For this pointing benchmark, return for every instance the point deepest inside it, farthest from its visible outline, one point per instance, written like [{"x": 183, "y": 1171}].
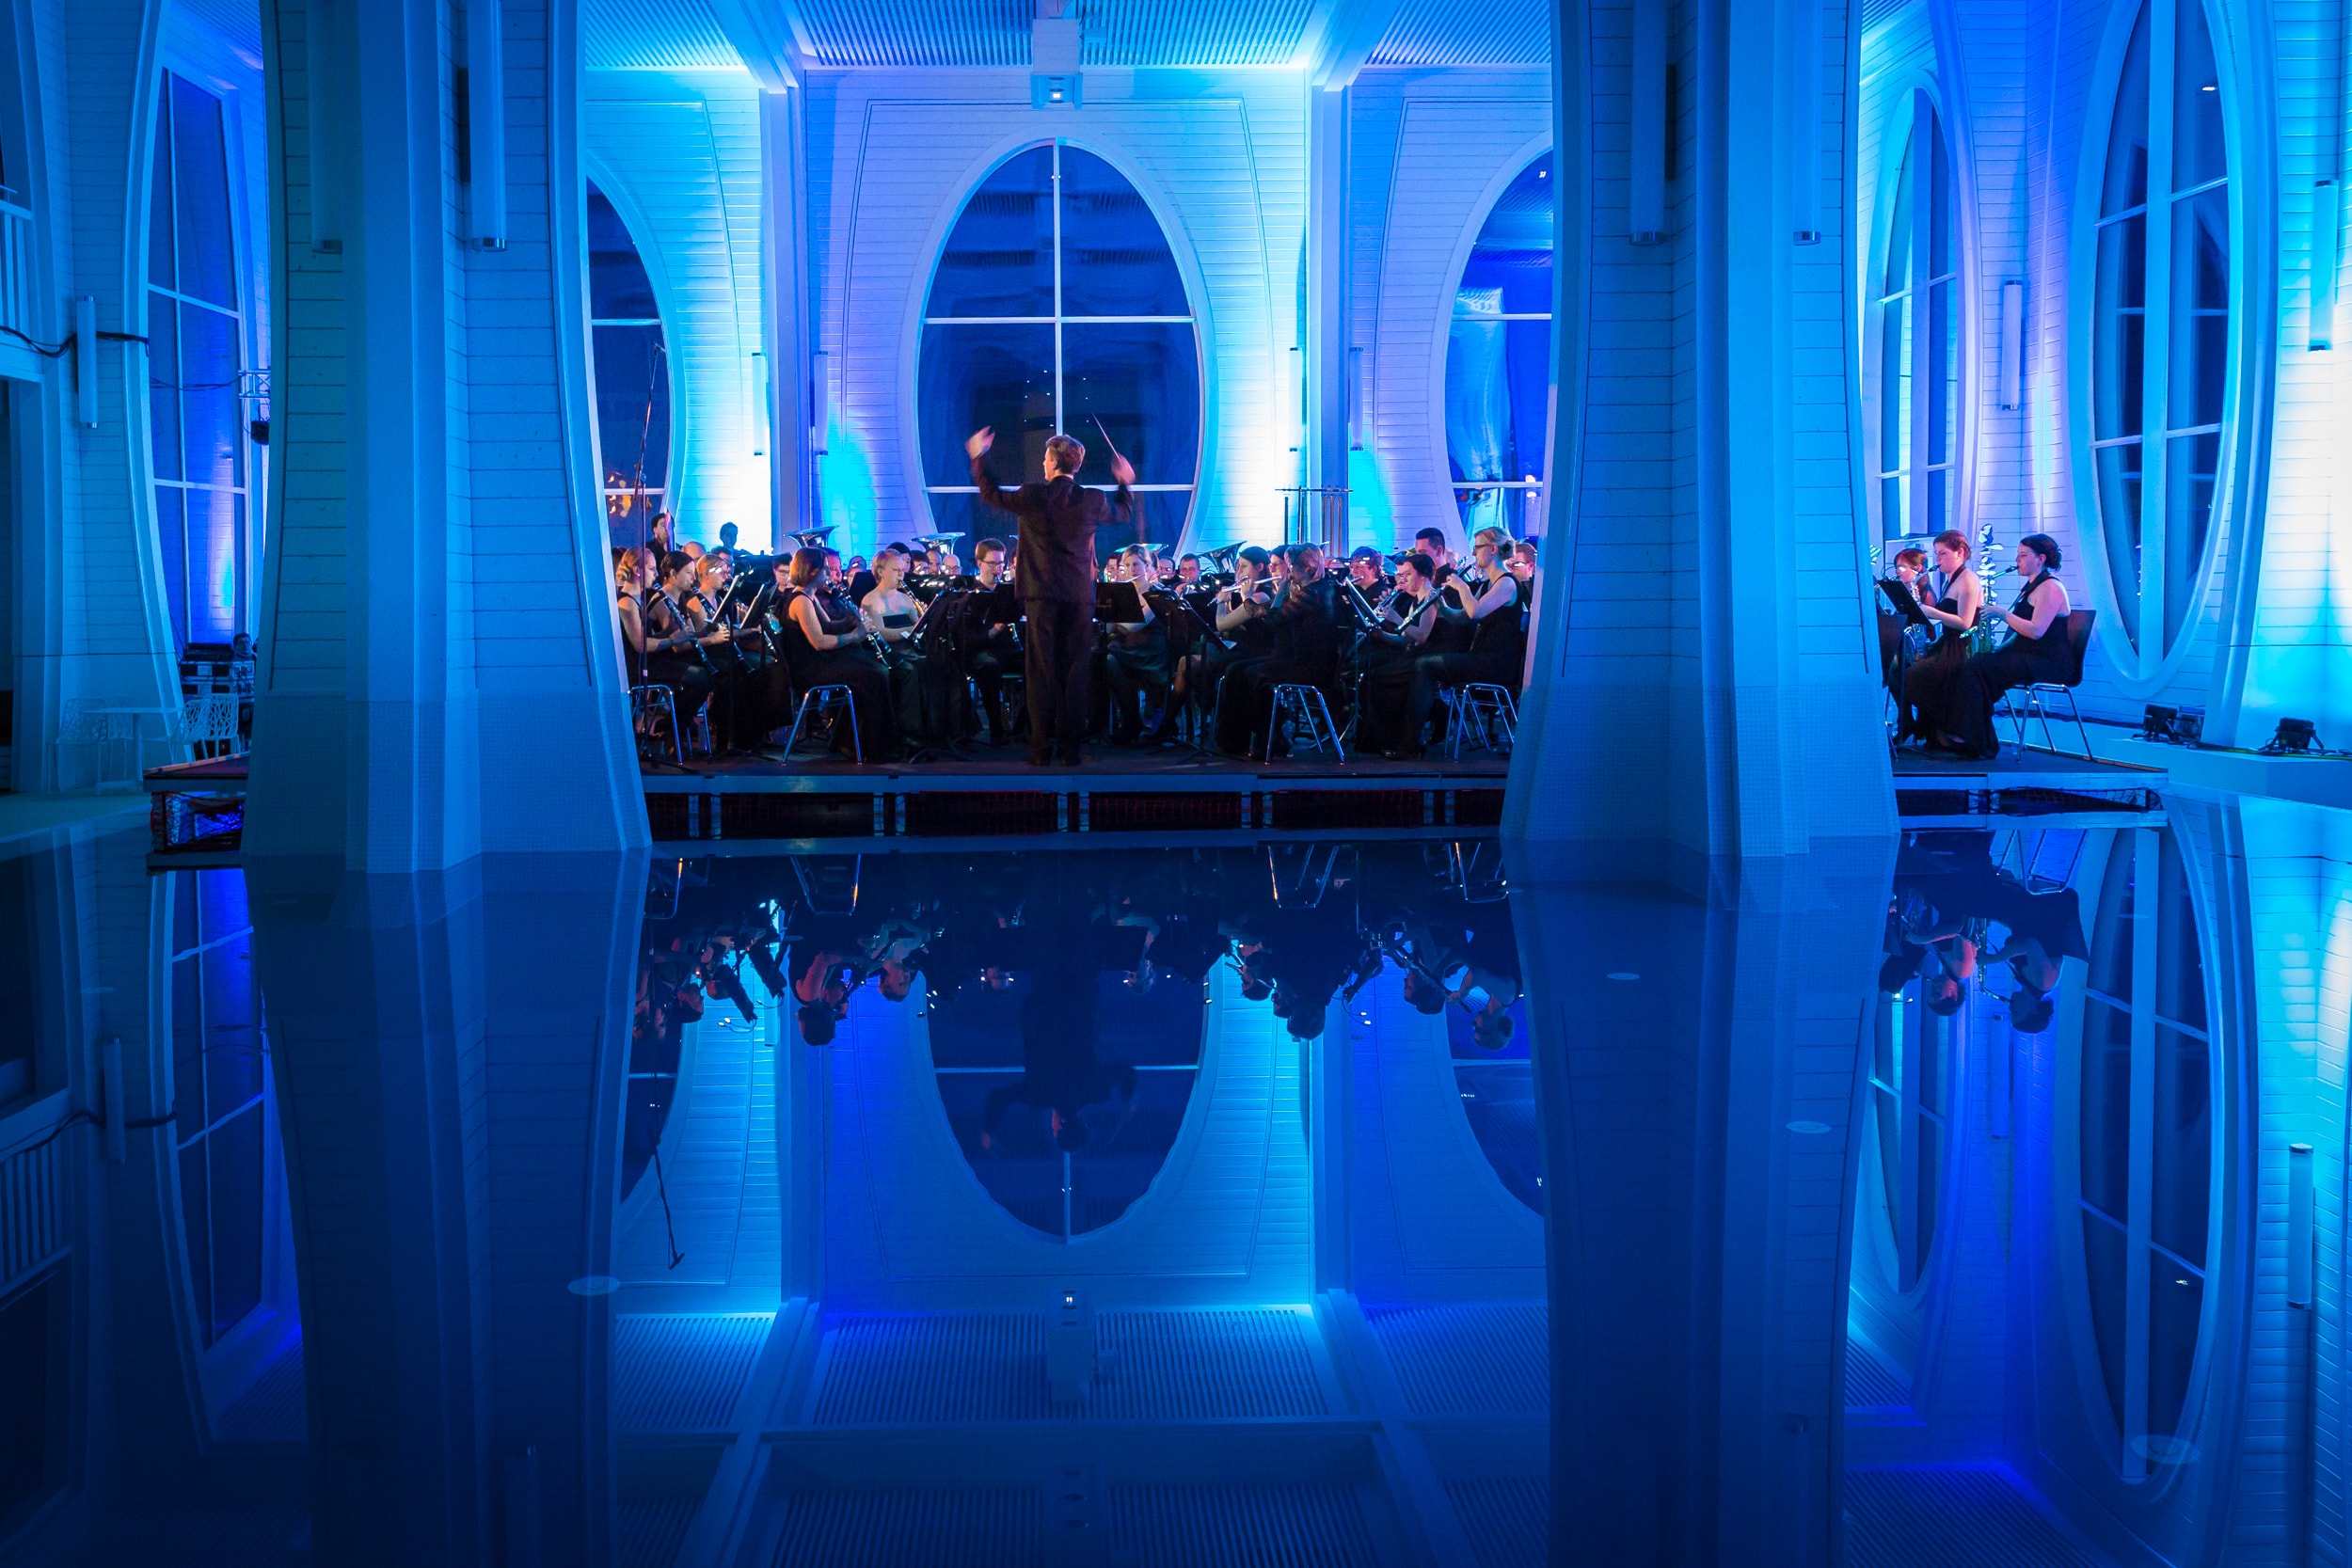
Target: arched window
[
  {"x": 1913, "y": 1054},
  {"x": 631, "y": 372},
  {"x": 1057, "y": 308},
  {"x": 220, "y": 1089},
  {"x": 2147, "y": 1146},
  {"x": 1497, "y": 362},
  {"x": 195, "y": 353},
  {"x": 2162, "y": 340},
  {"x": 1918, "y": 303}
]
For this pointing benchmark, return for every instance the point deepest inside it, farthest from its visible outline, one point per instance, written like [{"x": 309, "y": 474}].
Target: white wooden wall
[{"x": 681, "y": 155}]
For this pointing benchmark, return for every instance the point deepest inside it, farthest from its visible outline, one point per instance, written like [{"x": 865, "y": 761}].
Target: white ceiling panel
[{"x": 1447, "y": 32}]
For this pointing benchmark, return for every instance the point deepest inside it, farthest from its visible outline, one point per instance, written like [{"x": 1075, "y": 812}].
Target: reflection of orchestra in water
[
  {"x": 1037, "y": 639},
  {"x": 1304, "y": 928},
  {"x": 1956, "y": 919}
]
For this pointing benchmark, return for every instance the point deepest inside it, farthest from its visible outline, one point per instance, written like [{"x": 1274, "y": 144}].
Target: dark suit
[{"x": 1055, "y": 572}]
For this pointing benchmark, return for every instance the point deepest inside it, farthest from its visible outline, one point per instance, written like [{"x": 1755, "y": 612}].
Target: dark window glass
[
  {"x": 999, "y": 258},
  {"x": 2127, "y": 184},
  {"x": 2106, "y": 1115},
  {"x": 2105, "y": 1250},
  {"x": 1115, "y": 262},
  {"x": 219, "y": 1087},
  {"x": 30, "y": 1422},
  {"x": 200, "y": 164},
  {"x": 1142, "y": 382},
  {"x": 994, "y": 377},
  {"x": 631, "y": 370},
  {"x": 1498, "y": 370}
]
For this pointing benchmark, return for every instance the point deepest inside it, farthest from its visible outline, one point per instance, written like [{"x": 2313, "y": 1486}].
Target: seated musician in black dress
[
  {"x": 824, "y": 644},
  {"x": 1303, "y": 632},
  {"x": 1386, "y": 657},
  {"x": 2038, "y": 652},
  {"x": 676, "y": 652},
  {"x": 1236, "y": 616},
  {"x": 1951, "y": 597}
]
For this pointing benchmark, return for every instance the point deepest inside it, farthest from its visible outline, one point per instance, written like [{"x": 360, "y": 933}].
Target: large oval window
[
  {"x": 1918, "y": 406},
  {"x": 1058, "y": 308},
  {"x": 2162, "y": 332},
  {"x": 2146, "y": 1129},
  {"x": 1497, "y": 362},
  {"x": 631, "y": 374}
]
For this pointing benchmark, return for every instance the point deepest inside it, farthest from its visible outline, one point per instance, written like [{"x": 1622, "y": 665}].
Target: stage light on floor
[
  {"x": 2183, "y": 726},
  {"x": 2295, "y": 738}
]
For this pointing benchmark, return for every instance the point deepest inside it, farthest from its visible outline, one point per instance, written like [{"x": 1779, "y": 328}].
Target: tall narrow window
[
  {"x": 2147, "y": 1144},
  {"x": 631, "y": 371},
  {"x": 2162, "y": 343},
  {"x": 194, "y": 349},
  {"x": 1057, "y": 308},
  {"x": 1911, "y": 1073},
  {"x": 1919, "y": 403},
  {"x": 220, "y": 1079},
  {"x": 1498, "y": 360}
]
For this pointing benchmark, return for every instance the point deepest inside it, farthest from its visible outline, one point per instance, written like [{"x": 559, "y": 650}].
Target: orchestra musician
[
  {"x": 743, "y": 700},
  {"x": 1188, "y": 571},
  {"x": 926, "y": 696},
  {"x": 988, "y": 640},
  {"x": 674, "y": 653},
  {"x": 1135, "y": 663},
  {"x": 1363, "y": 570},
  {"x": 1479, "y": 637},
  {"x": 1951, "y": 598},
  {"x": 1390, "y": 651},
  {"x": 824, "y": 644},
  {"x": 1057, "y": 520},
  {"x": 1302, "y": 625},
  {"x": 1431, "y": 541}
]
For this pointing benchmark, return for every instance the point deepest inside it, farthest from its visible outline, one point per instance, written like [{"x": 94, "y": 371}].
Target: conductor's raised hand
[
  {"x": 981, "y": 440},
  {"x": 1122, "y": 469}
]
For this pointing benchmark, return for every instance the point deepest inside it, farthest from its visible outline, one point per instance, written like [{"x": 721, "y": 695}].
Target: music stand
[{"x": 1118, "y": 604}]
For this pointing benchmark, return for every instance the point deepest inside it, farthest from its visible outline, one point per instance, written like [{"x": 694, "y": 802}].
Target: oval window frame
[{"x": 2235, "y": 472}]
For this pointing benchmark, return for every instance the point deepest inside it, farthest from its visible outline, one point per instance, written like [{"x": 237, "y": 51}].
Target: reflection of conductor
[{"x": 1057, "y": 574}]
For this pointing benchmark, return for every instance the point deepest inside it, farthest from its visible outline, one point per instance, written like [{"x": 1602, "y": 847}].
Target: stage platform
[
  {"x": 1933, "y": 791},
  {"x": 1143, "y": 794},
  {"x": 1115, "y": 791}
]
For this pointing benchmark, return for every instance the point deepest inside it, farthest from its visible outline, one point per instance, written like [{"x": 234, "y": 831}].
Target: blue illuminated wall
[{"x": 679, "y": 153}]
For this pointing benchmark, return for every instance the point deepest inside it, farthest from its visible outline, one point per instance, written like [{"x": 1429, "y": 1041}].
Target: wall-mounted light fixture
[
  {"x": 1645, "y": 204},
  {"x": 1804, "y": 140},
  {"x": 86, "y": 361},
  {"x": 319, "y": 30},
  {"x": 486, "y": 122},
  {"x": 2012, "y": 343},
  {"x": 1355, "y": 400},
  {"x": 2327, "y": 215},
  {"x": 2299, "y": 1225}
]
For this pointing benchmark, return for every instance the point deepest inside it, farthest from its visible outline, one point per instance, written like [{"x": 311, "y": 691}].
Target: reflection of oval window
[
  {"x": 1067, "y": 1112},
  {"x": 1911, "y": 1074},
  {"x": 1058, "y": 308},
  {"x": 2162, "y": 337},
  {"x": 630, "y": 372},
  {"x": 2148, "y": 1087},
  {"x": 1498, "y": 1090},
  {"x": 1498, "y": 362}
]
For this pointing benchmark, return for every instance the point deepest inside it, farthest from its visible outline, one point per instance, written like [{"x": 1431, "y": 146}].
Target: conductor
[{"x": 1057, "y": 574}]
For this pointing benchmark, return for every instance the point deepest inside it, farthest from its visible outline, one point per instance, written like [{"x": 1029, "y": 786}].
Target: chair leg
[
  {"x": 857, "y": 747},
  {"x": 2080, "y": 730},
  {"x": 1339, "y": 751}
]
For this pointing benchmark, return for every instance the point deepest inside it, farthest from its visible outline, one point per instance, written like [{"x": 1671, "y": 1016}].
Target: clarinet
[{"x": 677, "y": 618}]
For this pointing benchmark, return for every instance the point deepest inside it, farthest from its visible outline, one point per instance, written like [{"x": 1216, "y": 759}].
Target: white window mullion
[
  {"x": 1907, "y": 1058},
  {"x": 2157, "y": 326},
  {"x": 1919, "y": 401}
]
